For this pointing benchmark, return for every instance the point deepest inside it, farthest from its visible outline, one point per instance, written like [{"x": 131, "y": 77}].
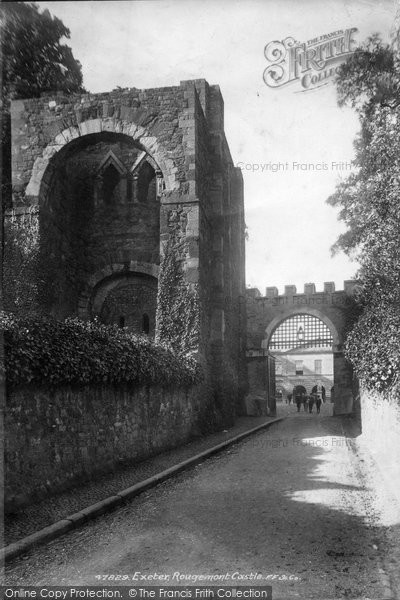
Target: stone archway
[
  {"x": 161, "y": 124},
  {"x": 105, "y": 279},
  {"x": 335, "y": 309},
  {"x": 89, "y": 223},
  {"x": 302, "y": 345},
  {"x": 150, "y": 144},
  {"x": 127, "y": 299}
]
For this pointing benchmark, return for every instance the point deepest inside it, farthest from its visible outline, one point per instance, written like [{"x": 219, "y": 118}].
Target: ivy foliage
[
  {"x": 42, "y": 351},
  {"x": 21, "y": 261},
  {"x": 369, "y": 205},
  {"x": 177, "y": 303},
  {"x": 373, "y": 347}
]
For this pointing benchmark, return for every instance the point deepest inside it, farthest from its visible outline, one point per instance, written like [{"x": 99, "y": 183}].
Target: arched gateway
[{"x": 303, "y": 335}]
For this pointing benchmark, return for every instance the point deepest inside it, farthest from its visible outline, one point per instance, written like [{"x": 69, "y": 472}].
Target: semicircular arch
[
  {"x": 140, "y": 136},
  {"x": 106, "y": 274},
  {"x": 274, "y": 324}
]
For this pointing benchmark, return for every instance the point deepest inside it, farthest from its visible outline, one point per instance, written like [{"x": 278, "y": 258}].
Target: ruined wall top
[
  {"x": 126, "y": 103},
  {"x": 165, "y": 122}
]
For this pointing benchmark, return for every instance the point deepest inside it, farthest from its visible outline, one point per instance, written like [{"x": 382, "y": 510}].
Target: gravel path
[
  {"x": 52, "y": 509},
  {"x": 290, "y": 502}
]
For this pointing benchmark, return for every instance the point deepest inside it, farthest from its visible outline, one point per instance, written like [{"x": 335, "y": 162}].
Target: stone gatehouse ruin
[
  {"x": 108, "y": 180},
  {"x": 104, "y": 186}
]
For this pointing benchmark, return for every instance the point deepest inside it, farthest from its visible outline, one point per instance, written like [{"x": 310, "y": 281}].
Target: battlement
[{"x": 309, "y": 289}]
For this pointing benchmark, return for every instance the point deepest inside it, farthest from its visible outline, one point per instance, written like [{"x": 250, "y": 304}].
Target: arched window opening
[
  {"x": 145, "y": 177},
  {"x": 121, "y": 322},
  {"x": 110, "y": 182},
  {"x": 145, "y": 323}
]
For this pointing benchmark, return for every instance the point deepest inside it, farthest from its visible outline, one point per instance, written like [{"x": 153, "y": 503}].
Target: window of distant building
[
  {"x": 299, "y": 367},
  {"x": 318, "y": 366}
]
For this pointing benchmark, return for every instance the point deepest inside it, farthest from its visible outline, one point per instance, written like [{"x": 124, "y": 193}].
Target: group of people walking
[{"x": 299, "y": 396}]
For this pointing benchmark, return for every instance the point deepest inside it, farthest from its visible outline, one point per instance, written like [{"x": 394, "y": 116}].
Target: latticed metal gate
[{"x": 301, "y": 331}]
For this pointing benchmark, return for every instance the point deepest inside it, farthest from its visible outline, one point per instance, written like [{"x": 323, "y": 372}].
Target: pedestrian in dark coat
[
  {"x": 297, "y": 398},
  {"x": 319, "y": 392}
]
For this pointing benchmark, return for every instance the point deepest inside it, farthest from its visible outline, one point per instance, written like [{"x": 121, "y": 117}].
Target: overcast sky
[{"x": 161, "y": 42}]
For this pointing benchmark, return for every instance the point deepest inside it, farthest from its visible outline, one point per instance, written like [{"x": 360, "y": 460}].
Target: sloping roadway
[{"x": 287, "y": 505}]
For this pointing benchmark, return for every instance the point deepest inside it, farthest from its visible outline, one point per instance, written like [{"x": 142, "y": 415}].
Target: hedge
[
  {"x": 373, "y": 347},
  {"x": 40, "y": 350}
]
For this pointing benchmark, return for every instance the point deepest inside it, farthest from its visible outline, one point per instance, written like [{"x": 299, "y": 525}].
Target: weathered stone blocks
[{"x": 57, "y": 438}]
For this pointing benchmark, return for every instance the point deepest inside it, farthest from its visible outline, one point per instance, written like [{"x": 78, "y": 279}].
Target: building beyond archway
[
  {"x": 302, "y": 347},
  {"x": 311, "y": 324}
]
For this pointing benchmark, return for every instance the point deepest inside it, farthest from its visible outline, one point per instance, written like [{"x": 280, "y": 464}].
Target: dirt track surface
[{"x": 288, "y": 503}]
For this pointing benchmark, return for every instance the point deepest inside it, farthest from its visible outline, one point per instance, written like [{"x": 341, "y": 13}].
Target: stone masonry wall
[
  {"x": 59, "y": 437},
  {"x": 42, "y": 126},
  {"x": 221, "y": 250}
]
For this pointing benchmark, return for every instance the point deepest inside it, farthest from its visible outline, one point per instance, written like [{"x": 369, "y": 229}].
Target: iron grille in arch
[{"x": 301, "y": 331}]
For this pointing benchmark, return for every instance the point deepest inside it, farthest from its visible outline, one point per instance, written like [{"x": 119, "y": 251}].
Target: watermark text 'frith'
[
  {"x": 295, "y": 166},
  {"x": 313, "y": 63}
]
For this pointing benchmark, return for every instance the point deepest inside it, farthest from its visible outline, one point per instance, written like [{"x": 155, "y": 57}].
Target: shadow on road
[{"x": 289, "y": 502}]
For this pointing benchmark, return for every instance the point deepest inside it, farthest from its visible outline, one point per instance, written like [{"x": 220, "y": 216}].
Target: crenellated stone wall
[{"x": 337, "y": 309}]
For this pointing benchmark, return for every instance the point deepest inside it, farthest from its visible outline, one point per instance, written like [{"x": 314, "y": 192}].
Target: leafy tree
[
  {"x": 369, "y": 201},
  {"x": 33, "y": 61}
]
